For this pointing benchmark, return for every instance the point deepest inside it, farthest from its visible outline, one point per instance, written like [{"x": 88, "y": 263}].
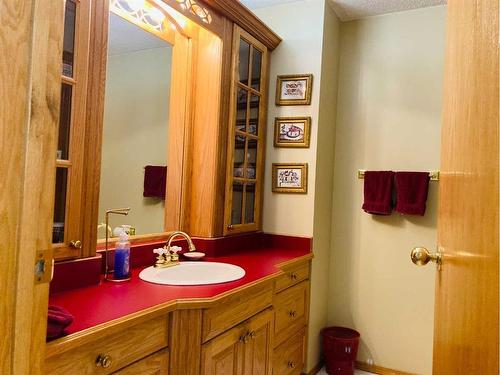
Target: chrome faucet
[{"x": 167, "y": 256}]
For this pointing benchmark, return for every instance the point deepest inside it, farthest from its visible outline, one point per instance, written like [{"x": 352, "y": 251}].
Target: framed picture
[
  {"x": 292, "y": 132},
  {"x": 294, "y": 89},
  {"x": 290, "y": 178}
]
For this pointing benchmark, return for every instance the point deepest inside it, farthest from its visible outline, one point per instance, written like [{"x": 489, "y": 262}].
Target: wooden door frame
[{"x": 30, "y": 70}]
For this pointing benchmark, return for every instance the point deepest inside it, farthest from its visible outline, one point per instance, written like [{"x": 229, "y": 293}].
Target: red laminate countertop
[{"x": 97, "y": 304}]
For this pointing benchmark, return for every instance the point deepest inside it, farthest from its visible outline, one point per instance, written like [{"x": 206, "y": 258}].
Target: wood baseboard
[
  {"x": 378, "y": 369},
  {"x": 315, "y": 369}
]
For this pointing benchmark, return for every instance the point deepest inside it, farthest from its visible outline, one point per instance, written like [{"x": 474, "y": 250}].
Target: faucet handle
[
  {"x": 175, "y": 249},
  {"x": 160, "y": 251}
]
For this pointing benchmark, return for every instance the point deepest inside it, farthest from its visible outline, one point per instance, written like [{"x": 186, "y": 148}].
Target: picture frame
[
  {"x": 294, "y": 89},
  {"x": 292, "y": 132},
  {"x": 290, "y": 178}
]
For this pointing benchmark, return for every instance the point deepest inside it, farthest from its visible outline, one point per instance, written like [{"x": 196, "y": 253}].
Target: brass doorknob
[
  {"x": 421, "y": 256},
  {"x": 76, "y": 244}
]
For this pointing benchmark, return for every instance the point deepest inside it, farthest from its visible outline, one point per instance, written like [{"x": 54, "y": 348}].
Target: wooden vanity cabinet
[
  {"x": 244, "y": 350},
  {"x": 253, "y": 331}
]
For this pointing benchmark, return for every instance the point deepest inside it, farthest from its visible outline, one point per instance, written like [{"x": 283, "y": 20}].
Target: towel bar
[{"x": 434, "y": 175}]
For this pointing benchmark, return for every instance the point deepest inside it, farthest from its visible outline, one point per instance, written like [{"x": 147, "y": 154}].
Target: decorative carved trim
[{"x": 244, "y": 18}]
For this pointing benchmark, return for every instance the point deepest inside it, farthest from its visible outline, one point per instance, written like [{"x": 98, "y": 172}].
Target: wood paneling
[
  {"x": 31, "y": 44},
  {"x": 179, "y": 133},
  {"x": 466, "y": 314},
  {"x": 205, "y": 139},
  {"x": 185, "y": 342},
  {"x": 123, "y": 348}
]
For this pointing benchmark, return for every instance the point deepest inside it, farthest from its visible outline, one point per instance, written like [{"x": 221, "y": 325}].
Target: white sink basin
[{"x": 193, "y": 273}]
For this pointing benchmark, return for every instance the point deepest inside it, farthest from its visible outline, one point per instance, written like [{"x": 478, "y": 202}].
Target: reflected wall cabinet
[
  {"x": 247, "y": 130},
  {"x": 67, "y": 225}
]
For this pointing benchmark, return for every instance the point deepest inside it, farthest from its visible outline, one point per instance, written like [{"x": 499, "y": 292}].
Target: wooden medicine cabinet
[{"x": 214, "y": 150}]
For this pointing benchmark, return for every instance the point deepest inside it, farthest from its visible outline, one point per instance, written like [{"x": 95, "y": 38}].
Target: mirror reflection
[{"x": 135, "y": 136}]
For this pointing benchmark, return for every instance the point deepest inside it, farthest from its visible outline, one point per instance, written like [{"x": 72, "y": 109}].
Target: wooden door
[
  {"x": 31, "y": 45},
  {"x": 467, "y": 291}
]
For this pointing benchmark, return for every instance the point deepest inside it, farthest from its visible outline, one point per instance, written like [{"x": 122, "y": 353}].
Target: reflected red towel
[
  {"x": 155, "y": 181},
  {"x": 378, "y": 192},
  {"x": 57, "y": 320},
  {"x": 412, "y": 189}
]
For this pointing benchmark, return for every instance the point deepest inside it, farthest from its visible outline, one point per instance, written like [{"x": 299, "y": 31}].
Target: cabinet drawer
[
  {"x": 289, "y": 357},
  {"x": 234, "y": 309},
  {"x": 291, "y": 307},
  {"x": 155, "y": 364},
  {"x": 292, "y": 276},
  {"x": 118, "y": 348}
]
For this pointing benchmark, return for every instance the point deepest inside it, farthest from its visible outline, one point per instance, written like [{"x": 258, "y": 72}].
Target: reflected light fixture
[
  {"x": 194, "y": 8},
  {"x": 144, "y": 14}
]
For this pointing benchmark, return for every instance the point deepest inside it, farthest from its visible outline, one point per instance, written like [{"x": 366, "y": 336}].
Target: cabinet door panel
[
  {"x": 247, "y": 116},
  {"x": 243, "y": 350},
  {"x": 224, "y": 354}
]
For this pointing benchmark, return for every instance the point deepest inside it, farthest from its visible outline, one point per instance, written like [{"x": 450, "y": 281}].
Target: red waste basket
[{"x": 340, "y": 347}]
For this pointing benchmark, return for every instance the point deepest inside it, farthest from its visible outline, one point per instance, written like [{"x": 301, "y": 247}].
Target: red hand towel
[
  {"x": 155, "y": 181},
  {"x": 57, "y": 320},
  {"x": 378, "y": 192},
  {"x": 412, "y": 189}
]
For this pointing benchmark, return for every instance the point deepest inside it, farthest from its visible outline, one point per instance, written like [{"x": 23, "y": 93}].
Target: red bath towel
[
  {"x": 155, "y": 181},
  {"x": 412, "y": 189},
  {"x": 57, "y": 321},
  {"x": 378, "y": 192}
]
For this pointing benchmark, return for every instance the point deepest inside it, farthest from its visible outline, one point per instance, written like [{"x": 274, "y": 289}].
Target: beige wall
[
  {"x": 310, "y": 45},
  {"x": 390, "y": 78},
  {"x": 135, "y": 135}
]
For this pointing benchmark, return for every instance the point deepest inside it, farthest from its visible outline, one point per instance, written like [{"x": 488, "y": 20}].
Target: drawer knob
[
  {"x": 291, "y": 364},
  {"x": 293, "y": 276},
  {"x": 103, "y": 360},
  {"x": 292, "y": 313}
]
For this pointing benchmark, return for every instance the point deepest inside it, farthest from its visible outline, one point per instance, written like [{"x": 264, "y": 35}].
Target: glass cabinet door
[
  {"x": 66, "y": 230},
  {"x": 246, "y": 135}
]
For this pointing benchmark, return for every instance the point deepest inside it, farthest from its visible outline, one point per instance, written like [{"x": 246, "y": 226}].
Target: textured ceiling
[{"x": 354, "y": 9}]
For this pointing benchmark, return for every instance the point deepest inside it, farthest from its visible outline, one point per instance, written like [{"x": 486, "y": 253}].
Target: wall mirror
[{"x": 137, "y": 113}]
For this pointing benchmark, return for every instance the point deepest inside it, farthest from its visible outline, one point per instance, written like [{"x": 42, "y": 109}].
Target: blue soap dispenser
[{"x": 122, "y": 257}]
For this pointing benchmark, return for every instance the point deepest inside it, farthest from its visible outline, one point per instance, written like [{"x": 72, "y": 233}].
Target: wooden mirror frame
[{"x": 197, "y": 59}]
